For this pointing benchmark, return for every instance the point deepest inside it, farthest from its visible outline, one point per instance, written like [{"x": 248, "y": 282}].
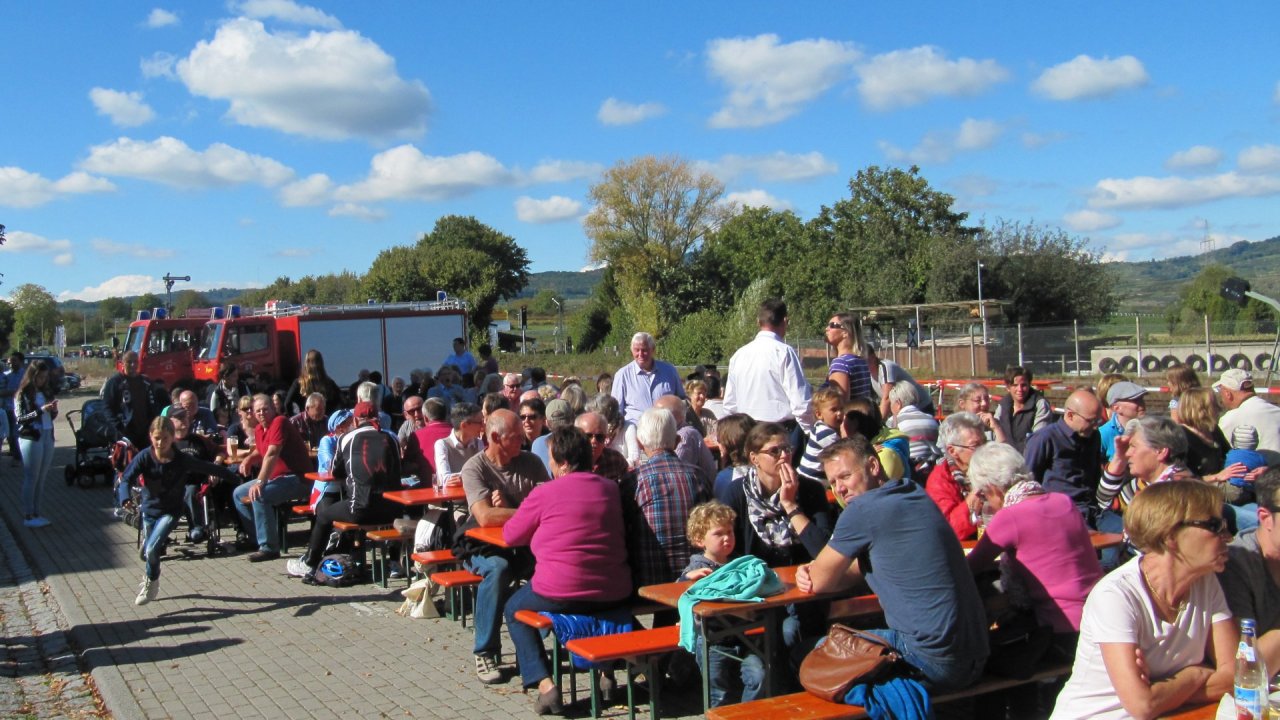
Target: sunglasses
[
  {"x": 835, "y": 326},
  {"x": 1214, "y": 525},
  {"x": 777, "y": 451},
  {"x": 597, "y": 437},
  {"x": 530, "y": 418}
]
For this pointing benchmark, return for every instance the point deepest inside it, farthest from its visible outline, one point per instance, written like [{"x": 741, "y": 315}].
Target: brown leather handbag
[{"x": 847, "y": 657}]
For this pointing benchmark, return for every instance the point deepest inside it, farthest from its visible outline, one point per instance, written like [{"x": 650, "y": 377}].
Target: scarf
[
  {"x": 1021, "y": 491},
  {"x": 766, "y": 514}
]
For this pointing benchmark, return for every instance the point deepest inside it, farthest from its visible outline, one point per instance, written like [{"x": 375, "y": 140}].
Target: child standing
[
  {"x": 164, "y": 473},
  {"x": 827, "y": 407},
  {"x": 710, "y": 530}
]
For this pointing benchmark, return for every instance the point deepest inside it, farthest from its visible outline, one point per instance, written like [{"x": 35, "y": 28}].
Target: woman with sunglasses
[
  {"x": 1156, "y": 633},
  {"x": 848, "y": 373},
  {"x": 783, "y": 518}
]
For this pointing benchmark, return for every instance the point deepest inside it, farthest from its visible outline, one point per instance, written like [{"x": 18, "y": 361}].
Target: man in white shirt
[
  {"x": 1235, "y": 391},
  {"x": 765, "y": 378}
]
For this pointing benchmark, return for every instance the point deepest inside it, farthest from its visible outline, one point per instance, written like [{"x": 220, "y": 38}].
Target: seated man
[
  {"x": 419, "y": 451},
  {"x": 312, "y": 423},
  {"x": 692, "y": 448},
  {"x": 496, "y": 482},
  {"x": 200, "y": 420},
  {"x": 1251, "y": 581},
  {"x": 367, "y": 463},
  {"x": 605, "y": 461},
  {"x": 282, "y": 461},
  {"x": 892, "y": 537},
  {"x": 920, "y": 427}
]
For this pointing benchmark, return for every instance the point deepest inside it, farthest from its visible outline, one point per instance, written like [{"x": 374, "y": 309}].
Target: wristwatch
[{"x": 793, "y": 513}]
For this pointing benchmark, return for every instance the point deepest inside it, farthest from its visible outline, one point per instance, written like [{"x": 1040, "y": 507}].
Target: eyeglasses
[
  {"x": 1094, "y": 421},
  {"x": 511, "y": 387},
  {"x": 597, "y": 437},
  {"x": 966, "y": 447},
  {"x": 530, "y": 418},
  {"x": 777, "y": 451},
  {"x": 1215, "y": 525},
  {"x": 413, "y": 410}
]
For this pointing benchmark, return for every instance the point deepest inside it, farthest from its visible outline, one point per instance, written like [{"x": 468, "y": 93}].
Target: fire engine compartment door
[{"x": 348, "y": 345}]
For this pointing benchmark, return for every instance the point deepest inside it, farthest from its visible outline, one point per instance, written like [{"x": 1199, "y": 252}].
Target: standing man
[
  {"x": 645, "y": 379},
  {"x": 282, "y": 461},
  {"x": 132, "y": 402},
  {"x": 1235, "y": 390},
  {"x": 766, "y": 380},
  {"x": 892, "y": 537},
  {"x": 496, "y": 482},
  {"x": 461, "y": 358},
  {"x": 9, "y": 382}
]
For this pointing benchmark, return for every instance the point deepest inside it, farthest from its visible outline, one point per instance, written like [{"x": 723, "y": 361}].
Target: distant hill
[
  {"x": 1153, "y": 285},
  {"x": 571, "y": 285}
]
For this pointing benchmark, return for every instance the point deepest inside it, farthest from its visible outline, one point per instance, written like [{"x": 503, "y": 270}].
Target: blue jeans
[
  {"x": 156, "y": 531},
  {"x": 491, "y": 596},
  {"x": 729, "y": 676},
  {"x": 530, "y": 655},
  {"x": 262, "y": 513},
  {"x": 940, "y": 675},
  {"x": 37, "y": 457}
]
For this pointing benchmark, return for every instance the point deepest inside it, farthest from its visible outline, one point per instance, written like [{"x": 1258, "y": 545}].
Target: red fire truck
[
  {"x": 165, "y": 344},
  {"x": 270, "y": 342}
]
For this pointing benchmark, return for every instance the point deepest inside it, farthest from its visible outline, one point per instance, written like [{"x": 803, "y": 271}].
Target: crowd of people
[{"x": 642, "y": 477}]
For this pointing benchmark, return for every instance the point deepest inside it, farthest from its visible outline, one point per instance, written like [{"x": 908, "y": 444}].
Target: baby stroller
[{"x": 94, "y": 439}]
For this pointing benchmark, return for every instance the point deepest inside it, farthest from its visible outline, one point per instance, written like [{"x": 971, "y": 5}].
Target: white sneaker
[
  {"x": 296, "y": 567},
  {"x": 35, "y": 522},
  {"x": 147, "y": 591}
]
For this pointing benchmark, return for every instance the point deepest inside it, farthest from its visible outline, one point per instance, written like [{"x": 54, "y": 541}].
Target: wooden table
[
  {"x": 490, "y": 535},
  {"x": 318, "y": 477},
  {"x": 1100, "y": 540},
  {"x": 426, "y": 496},
  {"x": 722, "y": 620}
]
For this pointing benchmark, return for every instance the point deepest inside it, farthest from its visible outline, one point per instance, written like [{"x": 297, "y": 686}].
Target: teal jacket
[{"x": 744, "y": 579}]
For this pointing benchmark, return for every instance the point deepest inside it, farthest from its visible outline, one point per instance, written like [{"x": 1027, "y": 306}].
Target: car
[{"x": 57, "y": 371}]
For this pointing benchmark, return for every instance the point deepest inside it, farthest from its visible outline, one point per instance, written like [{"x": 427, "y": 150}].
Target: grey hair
[
  {"x": 607, "y": 406},
  {"x": 369, "y": 392},
  {"x": 576, "y": 397},
  {"x": 1161, "y": 433},
  {"x": 903, "y": 392},
  {"x": 645, "y": 338},
  {"x": 657, "y": 430},
  {"x": 968, "y": 391},
  {"x": 951, "y": 429},
  {"x": 315, "y": 399},
  {"x": 996, "y": 465}
]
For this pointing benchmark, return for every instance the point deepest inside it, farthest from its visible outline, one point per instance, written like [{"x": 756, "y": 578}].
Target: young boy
[
  {"x": 827, "y": 408},
  {"x": 710, "y": 529}
]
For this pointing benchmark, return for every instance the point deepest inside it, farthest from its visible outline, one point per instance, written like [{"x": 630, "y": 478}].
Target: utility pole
[{"x": 169, "y": 280}]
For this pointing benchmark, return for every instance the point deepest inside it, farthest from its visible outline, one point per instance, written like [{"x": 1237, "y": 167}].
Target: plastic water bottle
[{"x": 1251, "y": 675}]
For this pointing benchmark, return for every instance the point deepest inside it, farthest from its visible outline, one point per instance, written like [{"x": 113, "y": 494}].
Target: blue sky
[{"x": 241, "y": 141}]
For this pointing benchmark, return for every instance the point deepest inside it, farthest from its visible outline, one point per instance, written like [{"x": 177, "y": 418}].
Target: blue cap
[{"x": 338, "y": 418}]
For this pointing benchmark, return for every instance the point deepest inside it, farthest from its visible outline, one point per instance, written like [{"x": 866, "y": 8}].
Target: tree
[
  {"x": 649, "y": 214},
  {"x": 147, "y": 302},
  {"x": 6, "y": 325},
  {"x": 1044, "y": 274},
  {"x": 35, "y": 315},
  {"x": 544, "y": 302},
  {"x": 113, "y": 308},
  {"x": 188, "y": 299},
  {"x": 1202, "y": 297}
]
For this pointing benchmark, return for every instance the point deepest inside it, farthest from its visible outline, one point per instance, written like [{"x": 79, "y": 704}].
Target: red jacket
[{"x": 949, "y": 497}]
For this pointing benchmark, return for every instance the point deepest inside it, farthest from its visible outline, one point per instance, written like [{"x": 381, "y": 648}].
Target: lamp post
[{"x": 982, "y": 308}]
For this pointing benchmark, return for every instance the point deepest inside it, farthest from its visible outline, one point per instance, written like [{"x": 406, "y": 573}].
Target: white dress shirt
[{"x": 766, "y": 382}]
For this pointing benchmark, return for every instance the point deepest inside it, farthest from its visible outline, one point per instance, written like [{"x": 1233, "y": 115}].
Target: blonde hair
[
  {"x": 826, "y": 397},
  {"x": 1198, "y": 408},
  {"x": 1159, "y": 510},
  {"x": 706, "y": 516}
]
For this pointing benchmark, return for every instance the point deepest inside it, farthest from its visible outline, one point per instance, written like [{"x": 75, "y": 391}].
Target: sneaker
[
  {"x": 396, "y": 571},
  {"x": 487, "y": 670},
  {"x": 244, "y": 542},
  {"x": 263, "y": 556},
  {"x": 147, "y": 591},
  {"x": 297, "y": 568},
  {"x": 310, "y": 578},
  {"x": 36, "y": 522},
  {"x": 119, "y": 513},
  {"x": 197, "y": 535},
  {"x": 549, "y": 702}
]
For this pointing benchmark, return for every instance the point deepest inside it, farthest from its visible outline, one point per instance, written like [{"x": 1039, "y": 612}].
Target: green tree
[
  {"x": 1044, "y": 274},
  {"x": 544, "y": 302},
  {"x": 147, "y": 301},
  {"x": 113, "y": 308},
  {"x": 1202, "y": 296},
  {"x": 35, "y": 315},
  {"x": 649, "y": 214},
  {"x": 6, "y": 325},
  {"x": 188, "y": 299}
]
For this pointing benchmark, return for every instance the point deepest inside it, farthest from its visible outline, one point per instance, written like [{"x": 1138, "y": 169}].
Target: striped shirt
[{"x": 822, "y": 436}]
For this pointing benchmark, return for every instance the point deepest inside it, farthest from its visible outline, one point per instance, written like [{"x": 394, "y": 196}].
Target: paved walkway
[{"x": 225, "y": 637}]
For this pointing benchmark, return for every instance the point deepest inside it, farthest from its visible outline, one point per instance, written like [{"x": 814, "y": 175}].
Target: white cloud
[
  {"x": 404, "y": 173},
  {"x": 774, "y": 167},
  {"x": 903, "y": 78},
  {"x": 1090, "y": 221},
  {"x": 975, "y": 186},
  {"x": 125, "y": 285},
  {"x": 108, "y": 247},
  {"x": 770, "y": 81},
  {"x": 1139, "y": 246},
  {"x": 1173, "y": 192},
  {"x": 314, "y": 189},
  {"x": 331, "y": 85},
  {"x": 940, "y": 146},
  {"x": 756, "y": 198},
  {"x": 21, "y": 189},
  {"x": 1259, "y": 159},
  {"x": 359, "y": 212},
  {"x": 553, "y": 209},
  {"x": 287, "y": 11},
  {"x": 619, "y": 112},
  {"x": 160, "y": 64},
  {"x": 159, "y": 17},
  {"x": 63, "y": 259},
  {"x": 553, "y": 171},
  {"x": 169, "y": 161},
  {"x": 1197, "y": 157},
  {"x": 19, "y": 241},
  {"x": 1086, "y": 77},
  {"x": 1035, "y": 140},
  {"x": 124, "y": 109}
]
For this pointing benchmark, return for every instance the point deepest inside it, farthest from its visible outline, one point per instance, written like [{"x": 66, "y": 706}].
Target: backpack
[{"x": 336, "y": 571}]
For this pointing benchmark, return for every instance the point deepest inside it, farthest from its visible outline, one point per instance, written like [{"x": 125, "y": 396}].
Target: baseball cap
[
  {"x": 1125, "y": 390},
  {"x": 1235, "y": 379}
]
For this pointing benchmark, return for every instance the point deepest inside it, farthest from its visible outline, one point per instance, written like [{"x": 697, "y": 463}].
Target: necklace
[{"x": 1163, "y": 608}]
